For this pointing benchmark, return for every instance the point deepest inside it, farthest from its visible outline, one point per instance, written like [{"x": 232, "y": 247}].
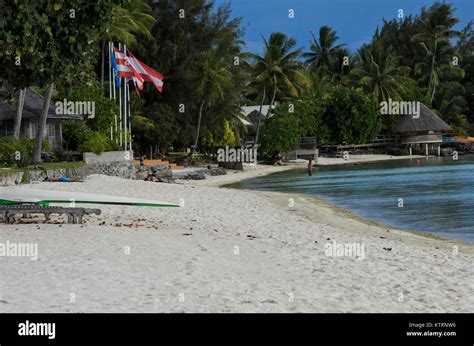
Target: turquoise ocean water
[{"x": 437, "y": 193}]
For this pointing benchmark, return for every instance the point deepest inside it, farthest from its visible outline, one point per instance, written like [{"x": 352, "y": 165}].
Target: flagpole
[
  {"x": 125, "y": 135},
  {"x": 110, "y": 91},
  {"x": 129, "y": 117},
  {"x": 114, "y": 87},
  {"x": 120, "y": 103}
]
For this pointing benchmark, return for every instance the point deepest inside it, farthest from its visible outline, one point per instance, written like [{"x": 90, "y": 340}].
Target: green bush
[
  {"x": 311, "y": 110},
  {"x": 352, "y": 116},
  {"x": 105, "y": 109},
  {"x": 18, "y": 151},
  {"x": 281, "y": 133},
  {"x": 78, "y": 137},
  {"x": 75, "y": 133},
  {"x": 211, "y": 142},
  {"x": 97, "y": 143},
  {"x": 334, "y": 116}
]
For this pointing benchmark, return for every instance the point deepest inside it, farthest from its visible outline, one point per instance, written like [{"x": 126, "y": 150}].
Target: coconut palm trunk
[
  {"x": 199, "y": 124},
  {"x": 260, "y": 117},
  {"x": 273, "y": 98},
  {"x": 42, "y": 125},
  {"x": 431, "y": 88},
  {"x": 19, "y": 113}
]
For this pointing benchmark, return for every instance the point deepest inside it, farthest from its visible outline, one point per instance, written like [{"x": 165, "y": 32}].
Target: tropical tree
[
  {"x": 341, "y": 66},
  {"x": 465, "y": 50},
  {"x": 377, "y": 71},
  {"x": 176, "y": 49},
  {"x": 128, "y": 20},
  {"x": 277, "y": 72},
  {"x": 435, "y": 35},
  {"x": 450, "y": 104},
  {"x": 323, "y": 51},
  {"x": 212, "y": 77},
  {"x": 53, "y": 42}
]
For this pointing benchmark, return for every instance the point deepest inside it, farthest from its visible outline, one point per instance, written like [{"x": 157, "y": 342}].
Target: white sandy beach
[{"x": 227, "y": 251}]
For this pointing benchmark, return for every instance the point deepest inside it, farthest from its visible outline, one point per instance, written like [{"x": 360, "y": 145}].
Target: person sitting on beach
[{"x": 151, "y": 177}]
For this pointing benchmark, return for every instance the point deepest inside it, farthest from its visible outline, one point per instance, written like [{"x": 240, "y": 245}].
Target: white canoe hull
[{"x": 22, "y": 196}]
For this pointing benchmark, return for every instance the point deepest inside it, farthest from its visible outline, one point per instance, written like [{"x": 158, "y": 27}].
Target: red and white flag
[
  {"x": 136, "y": 78},
  {"x": 132, "y": 68}
]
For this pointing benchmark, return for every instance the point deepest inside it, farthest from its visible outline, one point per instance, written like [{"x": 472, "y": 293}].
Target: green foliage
[
  {"x": 278, "y": 70},
  {"x": 377, "y": 71},
  {"x": 176, "y": 47},
  {"x": 352, "y": 116},
  {"x": 74, "y": 134},
  {"x": 281, "y": 133},
  {"x": 97, "y": 143},
  {"x": 311, "y": 109},
  {"x": 105, "y": 108},
  {"x": 436, "y": 30},
  {"x": 424, "y": 44},
  {"x": 53, "y": 41},
  {"x": 128, "y": 20},
  {"x": 211, "y": 143},
  {"x": 17, "y": 151},
  {"x": 323, "y": 52},
  {"x": 78, "y": 137},
  {"x": 157, "y": 131},
  {"x": 211, "y": 77},
  {"x": 338, "y": 115}
]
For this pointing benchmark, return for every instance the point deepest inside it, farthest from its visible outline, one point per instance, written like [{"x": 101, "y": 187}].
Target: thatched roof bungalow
[
  {"x": 423, "y": 128},
  {"x": 252, "y": 113},
  {"x": 249, "y": 118}
]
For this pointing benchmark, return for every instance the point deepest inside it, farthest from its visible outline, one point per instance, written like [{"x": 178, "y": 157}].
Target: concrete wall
[
  {"x": 108, "y": 157},
  {"x": 10, "y": 179}
]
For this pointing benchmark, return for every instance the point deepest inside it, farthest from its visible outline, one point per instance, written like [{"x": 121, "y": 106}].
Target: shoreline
[
  {"x": 263, "y": 170},
  {"x": 227, "y": 251}
]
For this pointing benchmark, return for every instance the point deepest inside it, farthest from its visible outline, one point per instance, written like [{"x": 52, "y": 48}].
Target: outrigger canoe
[{"x": 13, "y": 195}]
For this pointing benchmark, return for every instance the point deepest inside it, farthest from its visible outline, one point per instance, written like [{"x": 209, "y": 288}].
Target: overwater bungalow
[{"x": 424, "y": 129}]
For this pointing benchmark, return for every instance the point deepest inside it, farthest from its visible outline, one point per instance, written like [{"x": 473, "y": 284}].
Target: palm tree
[
  {"x": 323, "y": 50},
  {"x": 450, "y": 104},
  {"x": 277, "y": 71},
  {"x": 212, "y": 77},
  {"x": 341, "y": 65},
  {"x": 436, "y": 26},
  {"x": 127, "y": 21},
  {"x": 377, "y": 71}
]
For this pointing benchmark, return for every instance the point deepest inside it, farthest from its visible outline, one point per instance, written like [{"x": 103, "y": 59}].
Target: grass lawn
[{"x": 46, "y": 165}]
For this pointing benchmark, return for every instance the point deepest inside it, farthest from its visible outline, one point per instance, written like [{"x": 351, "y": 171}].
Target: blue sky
[{"x": 354, "y": 20}]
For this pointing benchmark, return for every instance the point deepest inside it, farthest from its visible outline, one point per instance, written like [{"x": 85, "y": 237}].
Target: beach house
[
  {"x": 249, "y": 118},
  {"x": 32, "y": 109}
]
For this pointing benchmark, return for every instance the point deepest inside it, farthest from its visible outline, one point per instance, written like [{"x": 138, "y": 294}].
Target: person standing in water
[{"x": 310, "y": 167}]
